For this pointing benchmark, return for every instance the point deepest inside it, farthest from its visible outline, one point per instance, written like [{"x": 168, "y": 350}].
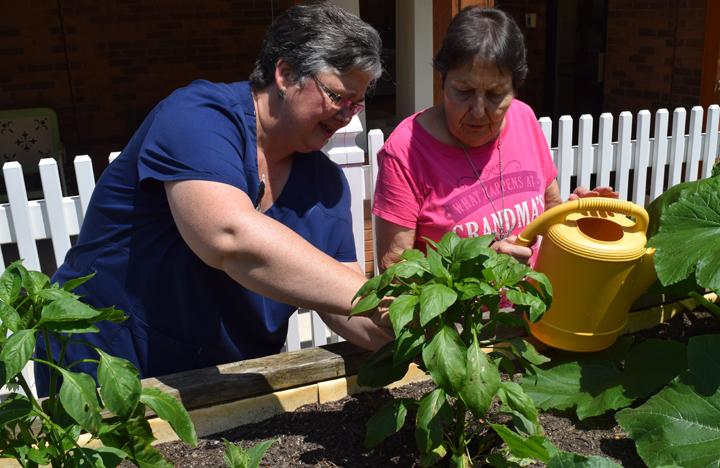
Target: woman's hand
[
  {"x": 508, "y": 246},
  {"x": 603, "y": 191}
]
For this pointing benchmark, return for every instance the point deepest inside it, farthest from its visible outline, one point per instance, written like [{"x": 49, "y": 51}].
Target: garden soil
[{"x": 332, "y": 434}]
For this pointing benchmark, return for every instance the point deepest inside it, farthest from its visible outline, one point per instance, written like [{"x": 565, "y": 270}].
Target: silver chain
[{"x": 505, "y": 230}]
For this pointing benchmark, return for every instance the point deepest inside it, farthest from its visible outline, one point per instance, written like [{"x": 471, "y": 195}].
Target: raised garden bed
[{"x": 310, "y": 402}]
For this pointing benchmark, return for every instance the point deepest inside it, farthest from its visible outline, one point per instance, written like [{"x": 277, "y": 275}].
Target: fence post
[
  {"x": 565, "y": 155},
  {"x": 585, "y": 150},
  {"x": 677, "y": 148},
  {"x": 50, "y": 179},
  {"x": 624, "y": 154},
  {"x": 20, "y": 214}
]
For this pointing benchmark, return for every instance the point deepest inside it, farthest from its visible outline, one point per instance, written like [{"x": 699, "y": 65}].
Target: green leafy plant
[
  {"x": 238, "y": 457},
  {"x": 666, "y": 391},
  {"x": 448, "y": 317},
  {"x": 48, "y": 431}
]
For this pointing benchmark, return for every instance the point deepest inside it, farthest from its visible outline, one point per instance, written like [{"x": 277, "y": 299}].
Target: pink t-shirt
[{"x": 426, "y": 185}]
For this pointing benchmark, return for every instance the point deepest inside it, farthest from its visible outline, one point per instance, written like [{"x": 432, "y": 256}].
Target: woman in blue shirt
[{"x": 221, "y": 215}]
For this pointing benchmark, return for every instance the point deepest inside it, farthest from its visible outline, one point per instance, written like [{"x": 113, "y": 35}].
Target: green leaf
[
  {"x": 481, "y": 383},
  {"x": 435, "y": 263},
  {"x": 408, "y": 345},
  {"x": 386, "y": 422},
  {"x": 671, "y": 195},
  {"x": 446, "y": 359},
  {"x": 75, "y": 282},
  {"x": 704, "y": 364},
  {"x": 16, "y": 352},
  {"x": 369, "y": 286},
  {"x": 101, "y": 457},
  {"x": 434, "y": 300},
  {"x": 519, "y": 404},
  {"x": 234, "y": 456},
  {"x": 433, "y": 414},
  {"x": 536, "y": 306},
  {"x": 120, "y": 385},
  {"x": 412, "y": 254},
  {"x": 565, "y": 459},
  {"x": 521, "y": 446},
  {"x": 34, "y": 281},
  {"x": 595, "y": 383},
  {"x": 472, "y": 247},
  {"x": 9, "y": 317},
  {"x": 524, "y": 349},
  {"x": 79, "y": 398},
  {"x": 677, "y": 426},
  {"x": 689, "y": 238},
  {"x": 172, "y": 411},
  {"x": 54, "y": 294},
  {"x": 257, "y": 452},
  {"x": 448, "y": 243},
  {"x": 10, "y": 283},
  {"x": 402, "y": 311},
  {"x": 472, "y": 288},
  {"x": 411, "y": 268},
  {"x": 380, "y": 369},
  {"x": 543, "y": 282},
  {"x": 14, "y": 407},
  {"x": 67, "y": 310},
  {"x": 134, "y": 436},
  {"x": 365, "y": 304}
]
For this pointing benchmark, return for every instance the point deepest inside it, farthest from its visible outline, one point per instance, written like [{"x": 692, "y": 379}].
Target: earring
[{"x": 281, "y": 94}]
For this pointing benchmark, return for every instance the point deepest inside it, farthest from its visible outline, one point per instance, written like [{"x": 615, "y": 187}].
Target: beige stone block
[{"x": 227, "y": 416}]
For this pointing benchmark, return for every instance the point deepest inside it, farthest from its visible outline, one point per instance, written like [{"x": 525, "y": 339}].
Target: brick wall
[
  {"x": 103, "y": 65},
  {"x": 654, "y": 54}
]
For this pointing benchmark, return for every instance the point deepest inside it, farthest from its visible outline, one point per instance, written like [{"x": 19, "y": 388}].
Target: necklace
[{"x": 505, "y": 228}]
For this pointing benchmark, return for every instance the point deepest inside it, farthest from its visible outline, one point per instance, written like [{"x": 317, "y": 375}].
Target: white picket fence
[{"x": 658, "y": 162}]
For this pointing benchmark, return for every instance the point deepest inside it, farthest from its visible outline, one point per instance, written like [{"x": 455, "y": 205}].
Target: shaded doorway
[{"x": 576, "y": 44}]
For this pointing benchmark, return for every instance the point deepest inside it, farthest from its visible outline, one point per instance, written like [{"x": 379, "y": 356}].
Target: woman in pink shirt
[{"x": 476, "y": 163}]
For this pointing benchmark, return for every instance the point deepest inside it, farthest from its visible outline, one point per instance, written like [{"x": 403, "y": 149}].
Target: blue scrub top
[{"x": 184, "y": 314}]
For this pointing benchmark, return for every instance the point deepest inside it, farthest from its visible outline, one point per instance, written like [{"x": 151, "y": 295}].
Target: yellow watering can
[{"x": 594, "y": 254}]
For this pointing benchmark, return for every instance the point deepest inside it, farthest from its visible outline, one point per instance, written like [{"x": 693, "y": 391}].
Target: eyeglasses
[{"x": 338, "y": 101}]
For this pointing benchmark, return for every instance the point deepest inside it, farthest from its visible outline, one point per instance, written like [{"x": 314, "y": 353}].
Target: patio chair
[{"x": 27, "y": 136}]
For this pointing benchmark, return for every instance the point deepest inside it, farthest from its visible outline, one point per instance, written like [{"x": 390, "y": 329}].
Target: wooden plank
[
  {"x": 642, "y": 156},
  {"x": 605, "y": 147},
  {"x": 238, "y": 380},
  {"x": 659, "y": 158},
  {"x": 677, "y": 148},
  {"x": 624, "y": 155}
]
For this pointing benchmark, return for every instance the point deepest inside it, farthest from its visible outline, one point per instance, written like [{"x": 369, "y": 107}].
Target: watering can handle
[{"x": 560, "y": 212}]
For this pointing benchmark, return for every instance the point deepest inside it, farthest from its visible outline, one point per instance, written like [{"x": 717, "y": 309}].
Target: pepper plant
[
  {"x": 49, "y": 431},
  {"x": 449, "y": 314}
]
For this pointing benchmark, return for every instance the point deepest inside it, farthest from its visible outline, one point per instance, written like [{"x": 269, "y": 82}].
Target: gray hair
[
  {"x": 317, "y": 37},
  {"x": 488, "y": 34}
]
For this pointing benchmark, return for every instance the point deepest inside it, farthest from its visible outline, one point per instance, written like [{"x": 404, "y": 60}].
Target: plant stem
[{"x": 459, "y": 433}]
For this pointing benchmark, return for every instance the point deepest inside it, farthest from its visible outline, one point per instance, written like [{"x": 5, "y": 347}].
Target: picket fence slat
[
  {"x": 585, "y": 157},
  {"x": 684, "y": 156},
  {"x": 694, "y": 145},
  {"x": 710, "y": 142},
  {"x": 20, "y": 210},
  {"x": 624, "y": 154},
  {"x": 659, "y": 153},
  {"x": 605, "y": 149},
  {"x": 50, "y": 179}
]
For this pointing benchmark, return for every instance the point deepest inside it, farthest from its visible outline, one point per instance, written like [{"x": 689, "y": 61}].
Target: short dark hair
[
  {"x": 488, "y": 34},
  {"x": 315, "y": 37}
]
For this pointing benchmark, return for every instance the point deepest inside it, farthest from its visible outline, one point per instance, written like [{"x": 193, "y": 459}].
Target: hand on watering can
[
  {"x": 508, "y": 246},
  {"x": 603, "y": 191}
]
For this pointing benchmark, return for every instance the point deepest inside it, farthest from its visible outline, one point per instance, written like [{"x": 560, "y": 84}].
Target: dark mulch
[{"x": 332, "y": 435}]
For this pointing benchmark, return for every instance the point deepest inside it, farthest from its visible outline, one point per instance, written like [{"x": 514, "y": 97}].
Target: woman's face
[
  {"x": 314, "y": 113},
  {"x": 476, "y": 97}
]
